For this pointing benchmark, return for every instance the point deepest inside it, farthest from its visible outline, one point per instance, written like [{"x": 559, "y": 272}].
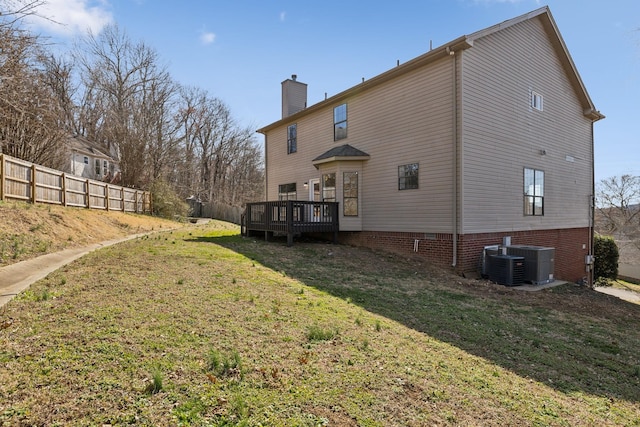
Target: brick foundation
[{"x": 438, "y": 248}]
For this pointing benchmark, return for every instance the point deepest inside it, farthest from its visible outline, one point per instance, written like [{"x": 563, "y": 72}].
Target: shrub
[
  {"x": 606, "y": 255},
  {"x": 166, "y": 202}
]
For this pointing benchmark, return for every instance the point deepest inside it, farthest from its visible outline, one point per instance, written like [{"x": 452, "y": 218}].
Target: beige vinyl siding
[
  {"x": 313, "y": 133},
  {"x": 405, "y": 120},
  {"x": 502, "y": 134}
]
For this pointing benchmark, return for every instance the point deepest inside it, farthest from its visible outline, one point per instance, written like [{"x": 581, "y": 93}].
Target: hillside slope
[{"x": 28, "y": 230}]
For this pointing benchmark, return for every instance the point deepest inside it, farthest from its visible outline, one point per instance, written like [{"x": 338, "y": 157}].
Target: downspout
[
  {"x": 454, "y": 261},
  {"x": 592, "y": 203}
]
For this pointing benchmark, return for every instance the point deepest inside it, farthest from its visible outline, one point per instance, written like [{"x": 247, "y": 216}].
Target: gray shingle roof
[{"x": 345, "y": 150}]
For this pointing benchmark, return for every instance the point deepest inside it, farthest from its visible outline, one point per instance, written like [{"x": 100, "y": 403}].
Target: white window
[
  {"x": 536, "y": 101},
  {"x": 533, "y": 192},
  {"x": 340, "y": 122}
]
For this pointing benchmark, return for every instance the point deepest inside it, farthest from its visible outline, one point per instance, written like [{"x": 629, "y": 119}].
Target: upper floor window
[
  {"x": 340, "y": 122},
  {"x": 105, "y": 168},
  {"x": 533, "y": 192},
  {"x": 408, "y": 176},
  {"x": 97, "y": 167},
  {"x": 537, "y": 101},
  {"x": 287, "y": 191},
  {"x": 292, "y": 138},
  {"x": 86, "y": 160}
]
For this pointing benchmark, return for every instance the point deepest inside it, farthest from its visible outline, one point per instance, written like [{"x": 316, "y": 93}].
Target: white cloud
[
  {"x": 70, "y": 17},
  {"x": 207, "y": 37}
]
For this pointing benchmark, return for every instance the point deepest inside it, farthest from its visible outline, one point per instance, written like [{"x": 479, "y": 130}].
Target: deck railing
[{"x": 291, "y": 217}]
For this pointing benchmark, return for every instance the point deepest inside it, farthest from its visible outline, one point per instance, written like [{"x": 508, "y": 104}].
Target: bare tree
[
  {"x": 221, "y": 161},
  {"x": 189, "y": 115},
  {"x": 13, "y": 11},
  {"x": 30, "y": 116},
  {"x": 618, "y": 214},
  {"x": 116, "y": 93},
  {"x": 120, "y": 77},
  {"x": 58, "y": 76}
]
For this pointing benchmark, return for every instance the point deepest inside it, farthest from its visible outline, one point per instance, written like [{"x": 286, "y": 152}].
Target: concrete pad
[{"x": 533, "y": 288}]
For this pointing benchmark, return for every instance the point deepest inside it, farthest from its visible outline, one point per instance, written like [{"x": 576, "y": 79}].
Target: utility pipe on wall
[{"x": 454, "y": 261}]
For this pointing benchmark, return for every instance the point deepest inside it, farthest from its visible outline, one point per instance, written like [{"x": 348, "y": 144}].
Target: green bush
[
  {"x": 166, "y": 202},
  {"x": 606, "y": 253}
]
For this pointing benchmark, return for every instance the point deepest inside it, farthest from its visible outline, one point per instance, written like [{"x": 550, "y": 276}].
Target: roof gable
[
  {"x": 549, "y": 24},
  {"x": 81, "y": 144}
]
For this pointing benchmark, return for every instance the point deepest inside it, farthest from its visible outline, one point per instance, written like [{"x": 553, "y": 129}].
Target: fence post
[
  {"x": 106, "y": 202},
  {"x": 122, "y": 198},
  {"x": 88, "y": 182},
  {"x": 33, "y": 183},
  {"x": 63, "y": 188},
  {"x": 2, "y": 172}
]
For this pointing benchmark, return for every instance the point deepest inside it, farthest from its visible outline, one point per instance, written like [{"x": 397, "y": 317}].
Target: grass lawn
[{"x": 203, "y": 327}]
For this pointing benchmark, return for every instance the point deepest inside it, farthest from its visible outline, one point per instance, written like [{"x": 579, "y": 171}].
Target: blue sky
[{"x": 240, "y": 51}]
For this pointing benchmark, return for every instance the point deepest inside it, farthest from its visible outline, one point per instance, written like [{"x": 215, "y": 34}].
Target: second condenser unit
[{"x": 538, "y": 262}]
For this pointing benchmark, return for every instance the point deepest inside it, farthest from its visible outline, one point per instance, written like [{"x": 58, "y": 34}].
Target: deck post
[
  {"x": 336, "y": 223},
  {"x": 289, "y": 222}
]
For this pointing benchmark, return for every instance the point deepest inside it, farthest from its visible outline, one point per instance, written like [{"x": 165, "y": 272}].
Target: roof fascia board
[{"x": 420, "y": 61}]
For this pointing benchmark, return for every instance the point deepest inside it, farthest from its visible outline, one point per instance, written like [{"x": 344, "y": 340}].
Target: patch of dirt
[{"x": 30, "y": 230}]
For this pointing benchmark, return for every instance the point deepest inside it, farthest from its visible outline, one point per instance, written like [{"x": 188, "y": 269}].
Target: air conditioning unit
[
  {"x": 506, "y": 269},
  {"x": 486, "y": 253},
  {"x": 538, "y": 262}
]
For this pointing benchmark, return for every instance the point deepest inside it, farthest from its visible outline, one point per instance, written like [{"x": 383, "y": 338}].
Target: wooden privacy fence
[
  {"x": 221, "y": 211},
  {"x": 20, "y": 180}
]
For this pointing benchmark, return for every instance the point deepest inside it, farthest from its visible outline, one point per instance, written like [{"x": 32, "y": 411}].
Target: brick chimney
[{"x": 294, "y": 96}]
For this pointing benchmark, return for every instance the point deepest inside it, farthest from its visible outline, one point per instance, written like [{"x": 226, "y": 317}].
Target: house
[
  {"x": 89, "y": 160},
  {"x": 489, "y": 136}
]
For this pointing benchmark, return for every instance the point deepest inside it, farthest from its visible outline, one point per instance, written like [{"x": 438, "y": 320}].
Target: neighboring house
[
  {"x": 487, "y": 136},
  {"x": 89, "y": 160}
]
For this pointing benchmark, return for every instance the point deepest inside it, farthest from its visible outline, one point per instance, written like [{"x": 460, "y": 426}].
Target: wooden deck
[{"x": 291, "y": 217}]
